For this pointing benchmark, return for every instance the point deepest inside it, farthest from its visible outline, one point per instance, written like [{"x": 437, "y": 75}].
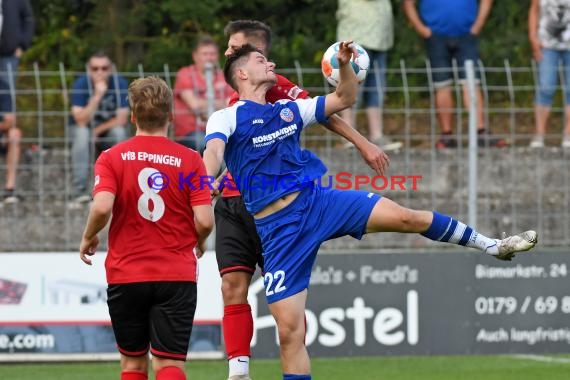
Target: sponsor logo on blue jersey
[{"x": 264, "y": 140}]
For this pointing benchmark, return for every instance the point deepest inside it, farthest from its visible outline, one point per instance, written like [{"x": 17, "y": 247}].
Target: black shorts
[
  {"x": 159, "y": 313},
  {"x": 238, "y": 247}
]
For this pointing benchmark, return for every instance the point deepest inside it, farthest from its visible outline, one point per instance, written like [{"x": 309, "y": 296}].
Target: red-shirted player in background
[
  {"x": 238, "y": 248},
  {"x": 156, "y": 225}
]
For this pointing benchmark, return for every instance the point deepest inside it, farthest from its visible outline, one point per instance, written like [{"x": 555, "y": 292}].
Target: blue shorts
[
  {"x": 443, "y": 50},
  {"x": 548, "y": 76},
  {"x": 291, "y": 237}
]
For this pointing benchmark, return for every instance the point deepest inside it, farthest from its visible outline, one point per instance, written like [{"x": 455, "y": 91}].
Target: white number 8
[{"x": 150, "y": 194}]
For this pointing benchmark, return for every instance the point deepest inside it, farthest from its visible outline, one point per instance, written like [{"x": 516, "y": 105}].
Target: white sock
[
  {"x": 482, "y": 242},
  {"x": 446, "y": 229},
  {"x": 239, "y": 366}
]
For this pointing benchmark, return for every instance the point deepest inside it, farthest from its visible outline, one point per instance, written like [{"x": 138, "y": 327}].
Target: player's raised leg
[
  {"x": 289, "y": 314},
  {"x": 388, "y": 216}
]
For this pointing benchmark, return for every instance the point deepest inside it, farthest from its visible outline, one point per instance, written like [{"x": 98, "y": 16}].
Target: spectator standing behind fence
[
  {"x": 10, "y": 137},
  {"x": 549, "y": 35},
  {"x": 191, "y": 107},
  {"x": 370, "y": 23},
  {"x": 450, "y": 29},
  {"x": 100, "y": 111},
  {"x": 17, "y": 29}
]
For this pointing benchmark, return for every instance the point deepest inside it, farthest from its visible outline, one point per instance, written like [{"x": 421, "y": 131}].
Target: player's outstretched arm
[
  {"x": 99, "y": 215},
  {"x": 347, "y": 88}
]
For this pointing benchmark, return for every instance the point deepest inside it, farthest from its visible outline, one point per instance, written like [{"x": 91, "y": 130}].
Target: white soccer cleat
[
  {"x": 508, "y": 246},
  {"x": 239, "y": 377}
]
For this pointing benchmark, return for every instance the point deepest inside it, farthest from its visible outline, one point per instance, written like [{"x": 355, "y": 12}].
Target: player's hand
[
  {"x": 88, "y": 248},
  {"x": 374, "y": 157},
  {"x": 216, "y": 187},
  {"x": 200, "y": 249},
  {"x": 345, "y": 52}
]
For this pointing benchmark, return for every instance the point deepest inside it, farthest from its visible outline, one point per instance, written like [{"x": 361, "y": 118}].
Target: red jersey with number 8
[{"x": 152, "y": 234}]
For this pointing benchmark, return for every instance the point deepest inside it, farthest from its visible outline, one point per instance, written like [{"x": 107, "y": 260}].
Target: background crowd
[{"x": 445, "y": 32}]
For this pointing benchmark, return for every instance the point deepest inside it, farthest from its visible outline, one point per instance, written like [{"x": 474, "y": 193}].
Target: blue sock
[
  {"x": 446, "y": 229},
  {"x": 288, "y": 376}
]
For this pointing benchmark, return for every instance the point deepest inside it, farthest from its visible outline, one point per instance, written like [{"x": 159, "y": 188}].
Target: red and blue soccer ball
[{"x": 359, "y": 61}]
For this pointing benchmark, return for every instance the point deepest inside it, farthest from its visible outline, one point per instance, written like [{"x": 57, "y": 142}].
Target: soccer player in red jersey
[
  {"x": 238, "y": 248},
  {"x": 158, "y": 229}
]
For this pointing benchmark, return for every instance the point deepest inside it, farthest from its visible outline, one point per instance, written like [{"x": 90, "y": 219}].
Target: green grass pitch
[{"x": 498, "y": 367}]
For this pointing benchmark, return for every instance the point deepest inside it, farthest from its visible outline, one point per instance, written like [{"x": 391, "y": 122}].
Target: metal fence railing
[{"x": 518, "y": 187}]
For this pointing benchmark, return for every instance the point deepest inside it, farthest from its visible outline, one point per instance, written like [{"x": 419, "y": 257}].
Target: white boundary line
[{"x": 541, "y": 358}]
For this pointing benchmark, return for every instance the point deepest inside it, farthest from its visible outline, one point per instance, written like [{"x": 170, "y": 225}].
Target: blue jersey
[
  {"x": 449, "y": 18},
  {"x": 262, "y": 147}
]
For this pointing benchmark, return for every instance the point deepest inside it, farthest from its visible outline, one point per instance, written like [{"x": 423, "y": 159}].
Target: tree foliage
[{"x": 157, "y": 32}]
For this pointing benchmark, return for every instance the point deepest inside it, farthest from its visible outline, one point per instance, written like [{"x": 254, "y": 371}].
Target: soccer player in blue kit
[{"x": 293, "y": 216}]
